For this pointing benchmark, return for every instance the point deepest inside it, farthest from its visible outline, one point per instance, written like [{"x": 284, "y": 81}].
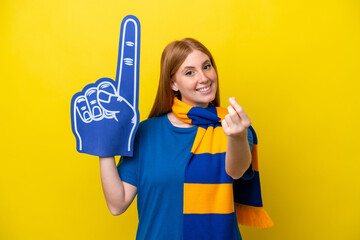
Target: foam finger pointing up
[{"x": 128, "y": 59}]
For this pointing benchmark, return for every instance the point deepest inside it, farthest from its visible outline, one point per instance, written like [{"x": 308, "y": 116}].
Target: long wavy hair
[{"x": 172, "y": 57}]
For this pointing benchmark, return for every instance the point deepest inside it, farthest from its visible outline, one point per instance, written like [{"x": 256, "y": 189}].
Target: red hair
[{"x": 172, "y": 57}]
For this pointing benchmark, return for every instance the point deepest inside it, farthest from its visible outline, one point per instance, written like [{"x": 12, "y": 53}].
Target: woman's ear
[{"x": 174, "y": 86}]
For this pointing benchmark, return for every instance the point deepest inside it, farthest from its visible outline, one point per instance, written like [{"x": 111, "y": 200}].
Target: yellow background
[{"x": 293, "y": 66}]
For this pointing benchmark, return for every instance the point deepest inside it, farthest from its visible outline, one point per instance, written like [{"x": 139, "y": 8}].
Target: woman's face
[{"x": 196, "y": 79}]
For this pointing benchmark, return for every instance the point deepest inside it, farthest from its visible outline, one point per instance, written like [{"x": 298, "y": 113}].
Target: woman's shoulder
[
  {"x": 147, "y": 129},
  {"x": 151, "y": 124},
  {"x": 152, "y": 121}
]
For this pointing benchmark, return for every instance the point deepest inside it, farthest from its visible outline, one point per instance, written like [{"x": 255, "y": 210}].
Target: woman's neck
[{"x": 176, "y": 122}]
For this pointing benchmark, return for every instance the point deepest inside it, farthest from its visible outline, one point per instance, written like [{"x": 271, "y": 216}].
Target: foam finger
[
  {"x": 127, "y": 76},
  {"x": 105, "y": 91},
  {"x": 92, "y": 101},
  {"x": 81, "y": 109}
]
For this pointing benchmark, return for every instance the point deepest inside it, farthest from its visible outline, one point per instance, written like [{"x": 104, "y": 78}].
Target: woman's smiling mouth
[{"x": 204, "y": 89}]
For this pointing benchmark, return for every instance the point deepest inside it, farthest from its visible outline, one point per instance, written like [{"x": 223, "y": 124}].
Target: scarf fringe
[{"x": 253, "y": 216}]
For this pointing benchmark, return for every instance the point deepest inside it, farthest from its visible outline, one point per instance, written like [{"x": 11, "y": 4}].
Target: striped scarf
[{"x": 212, "y": 200}]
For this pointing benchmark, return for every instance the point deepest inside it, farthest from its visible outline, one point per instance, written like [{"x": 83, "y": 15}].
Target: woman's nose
[{"x": 203, "y": 78}]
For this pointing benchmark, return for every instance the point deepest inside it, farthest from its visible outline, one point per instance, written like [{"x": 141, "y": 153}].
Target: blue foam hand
[{"x": 105, "y": 115}]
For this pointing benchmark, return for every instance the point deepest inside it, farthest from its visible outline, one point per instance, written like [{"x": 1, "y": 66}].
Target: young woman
[{"x": 186, "y": 155}]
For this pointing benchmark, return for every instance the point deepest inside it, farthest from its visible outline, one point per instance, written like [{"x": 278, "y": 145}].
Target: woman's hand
[
  {"x": 238, "y": 155},
  {"x": 237, "y": 121}
]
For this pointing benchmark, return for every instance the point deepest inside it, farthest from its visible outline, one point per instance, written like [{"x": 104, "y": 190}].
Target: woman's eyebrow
[{"x": 190, "y": 67}]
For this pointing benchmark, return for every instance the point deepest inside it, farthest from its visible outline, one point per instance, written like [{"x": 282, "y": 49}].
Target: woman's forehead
[{"x": 194, "y": 59}]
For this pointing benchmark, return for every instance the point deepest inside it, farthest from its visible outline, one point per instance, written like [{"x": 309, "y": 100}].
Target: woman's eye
[
  {"x": 208, "y": 66},
  {"x": 189, "y": 73}
]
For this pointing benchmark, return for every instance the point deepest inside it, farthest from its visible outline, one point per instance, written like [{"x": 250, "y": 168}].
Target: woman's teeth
[{"x": 204, "y": 89}]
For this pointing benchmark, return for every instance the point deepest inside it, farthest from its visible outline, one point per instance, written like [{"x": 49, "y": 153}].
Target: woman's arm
[
  {"x": 118, "y": 194},
  {"x": 238, "y": 155}
]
